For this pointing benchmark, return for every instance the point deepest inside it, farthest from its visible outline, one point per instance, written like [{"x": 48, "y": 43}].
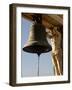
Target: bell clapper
[{"x": 38, "y": 63}]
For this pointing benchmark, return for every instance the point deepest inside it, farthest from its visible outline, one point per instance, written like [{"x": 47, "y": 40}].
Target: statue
[{"x": 57, "y": 60}]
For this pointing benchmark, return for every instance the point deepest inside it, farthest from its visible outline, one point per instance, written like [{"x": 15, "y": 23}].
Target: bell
[{"x": 37, "y": 42}]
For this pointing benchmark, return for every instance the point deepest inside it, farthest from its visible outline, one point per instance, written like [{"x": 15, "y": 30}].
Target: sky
[{"x": 29, "y": 61}]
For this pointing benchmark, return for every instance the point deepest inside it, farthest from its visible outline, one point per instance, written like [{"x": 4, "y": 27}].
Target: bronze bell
[{"x": 37, "y": 42}]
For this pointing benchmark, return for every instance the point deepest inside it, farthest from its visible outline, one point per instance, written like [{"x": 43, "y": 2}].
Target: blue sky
[{"x": 29, "y": 62}]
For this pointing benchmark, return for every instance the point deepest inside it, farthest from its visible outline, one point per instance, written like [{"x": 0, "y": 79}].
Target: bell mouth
[{"x": 38, "y": 49}]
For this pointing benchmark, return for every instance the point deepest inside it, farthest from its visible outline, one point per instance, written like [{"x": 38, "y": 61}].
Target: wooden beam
[
  {"x": 48, "y": 21},
  {"x": 57, "y": 18}
]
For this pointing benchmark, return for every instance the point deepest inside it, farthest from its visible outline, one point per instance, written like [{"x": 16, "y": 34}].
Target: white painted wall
[{"x": 4, "y": 44}]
